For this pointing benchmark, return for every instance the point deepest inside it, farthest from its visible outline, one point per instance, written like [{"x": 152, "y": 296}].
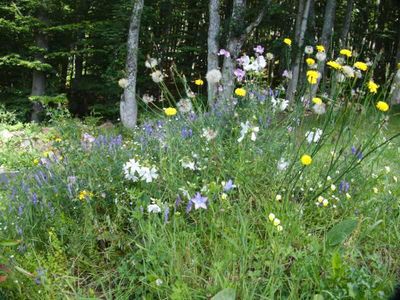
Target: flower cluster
[{"x": 134, "y": 171}]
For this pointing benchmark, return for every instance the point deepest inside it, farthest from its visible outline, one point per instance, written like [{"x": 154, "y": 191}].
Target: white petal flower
[
  {"x": 151, "y": 63},
  {"x": 123, "y": 83},
  {"x": 157, "y": 76},
  {"x": 153, "y": 208}
]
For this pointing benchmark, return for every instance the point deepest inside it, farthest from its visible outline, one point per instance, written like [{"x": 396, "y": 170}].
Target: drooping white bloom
[
  {"x": 184, "y": 105},
  {"x": 282, "y": 164},
  {"x": 191, "y": 165},
  {"x": 147, "y": 98},
  {"x": 348, "y": 71},
  {"x": 340, "y": 77},
  {"x": 153, "y": 208},
  {"x": 148, "y": 174},
  {"x": 123, "y": 83},
  {"x": 151, "y": 63},
  {"x": 313, "y": 136},
  {"x": 319, "y": 109},
  {"x": 320, "y": 56},
  {"x": 308, "y": 50},
  {"x": 130, "y": 169},
  {"x": 157, "y": 76},
  {"x": 279, "y": 103},
  {"x": 269, "y": 56},
  {"x": 245, "y": 128},
  {"x": 213, "y": 76}
]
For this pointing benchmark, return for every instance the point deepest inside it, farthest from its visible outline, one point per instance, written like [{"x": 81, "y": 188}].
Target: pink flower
[{"x": 224, "y": 53}]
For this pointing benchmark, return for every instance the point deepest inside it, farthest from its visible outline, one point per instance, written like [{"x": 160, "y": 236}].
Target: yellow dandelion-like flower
[
  {"x": 382, "y": 106},
  {"x": 199, "y": 82},
  {"x": 373, "y": 87},
  {"x": 306, "y": 160},
  {"x": 333, "y": 64},
  {"x": 310, "y": 61},
  {"x": 320, "y": 48},
  {"x": 312, "y": 76},
  {"x": 170, "y": 111},
  {"x": 317, "y": 100},
  {"x": 241, "y": 92},
  {"x": 346, "y": 52},
  {"x": 361, "y": 65},
  {"x": 84, "y": 195},
  {"x": 288, "y": 41},
  {"x": 36, "y": 161}
]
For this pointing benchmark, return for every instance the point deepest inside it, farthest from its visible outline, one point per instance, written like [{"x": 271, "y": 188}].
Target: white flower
[
  {"x": 184, "y": 105},
  {"x": 320, "y": 56},
  {"x": 280, "y": 103},
  {"x": 340, "y": 77},
  {"x": 123, "y": 83},
  {"x": 151, "y": 63},
  {"x": 348, "y": 71},
  {"x": 247, "y": 128},
  {"x": 284, "y": 104},
  {"x": 278, "y": 197},
  {"x": 282, "y": 164},
  {"x": 157, "y": 76},
  {"x": 147, "y": 98},
  {"x": 269, "y": 56},
  {"x": 130, "y": 169},
  {"x": 191, "y": 165},
  {"x": 213, "y": 76},
  {"x": 148, "y": 174},
  {"x": 159, "y": 282},
  {"x": 319, "y": 109},
  {"x": 313, "y": 136},
  {"x": 308, "y": 50},
  {"x": 153, "y": 208},
  {"x": 287, "y": 74},
  {"x": 209, "y": 134}
]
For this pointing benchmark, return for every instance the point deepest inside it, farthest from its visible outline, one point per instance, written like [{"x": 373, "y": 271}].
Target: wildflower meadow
[{"x": 232, "y": 184}]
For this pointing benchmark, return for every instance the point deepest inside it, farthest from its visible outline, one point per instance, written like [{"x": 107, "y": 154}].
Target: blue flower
[
  {"x": 344, "y": 186},
  {"x": 357, "y": 152},
  {"x": 199, "y": 201},
  {"x": 186, "y": 132},
  {"x": 229, "y": 186}
]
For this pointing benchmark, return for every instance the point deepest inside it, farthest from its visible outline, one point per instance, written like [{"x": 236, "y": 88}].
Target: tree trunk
[
  {"x": 395, "y": 90},
  {"x": 39, "y": 77},
  {"x": 213, "y": 47},
  {"x": 128, "y": 105},
  {"x": 327, "y": 29},
  {"x": 346, "y": 23},
  {"x": 304, "y": 9},
  {"x": 236, "y": 39}
]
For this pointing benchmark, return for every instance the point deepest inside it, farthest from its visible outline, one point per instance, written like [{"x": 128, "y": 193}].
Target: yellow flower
[
  {"x": 170, "y": 111},
  {"x": 317, "y": 100},
  {"x": 312, "y": 76},
  {"x": 306, "y": 160},
  {"x": 241, "y": 92},
  {"x": 382, "y": 106},
  {"x": 325, "y": 203},
  {"x": 36, "y": 161},
  {"x": 277, "y": 222},
  {"x": 310, "y": 61},
  {"x": 84, "y": 194},
  {"x": 58, "y": 140},
  {"x": 361, "y": 65},
  {"x": 288, "y": 41},
  {"x": 373, "y": 87},
  {"x": 334, "y": 64},
  {"x": 198, "y": 82},
  {"x": 346, "y": 52},
  {"x": 320, "y": 48},
  {"x": 279, "y": 228}
]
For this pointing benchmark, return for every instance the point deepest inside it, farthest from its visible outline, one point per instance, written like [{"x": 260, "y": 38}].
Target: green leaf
[
  {"x": 318, "y": 297},
  {"x": 340, "y": 232},
  {"x": 9, "y": 243},
  {"x": 225, "y": 294}
]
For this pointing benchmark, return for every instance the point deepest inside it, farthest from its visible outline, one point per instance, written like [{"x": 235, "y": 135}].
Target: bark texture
[
  {"x": 301, "y": 26},
  {"x": 213, "y": 47},
  {"x": 346, "y": 23},
  {"x": 128, "y": 105}
]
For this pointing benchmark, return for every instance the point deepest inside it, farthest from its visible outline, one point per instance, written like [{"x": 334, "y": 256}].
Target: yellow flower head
[
  {"x": 310, "y": 61},
  {"x": 84, "y": 194},
  {"x": 312, "y": 76},
  {"x": 288, "y": 41},
  {"x": 198, "y": 82},
  {"x": 317, "y": 100},
  {"x": 361, "y": 66},
  {"x": 373, "y": 87},
  {"x": 382, "y": 106},
  {"x": 241, "y": 92},
  {"x": 170, "y": 111},
  {"x": 320, "y": 48},
  {"x": 345, "y": 52},
  {"x": 36, "y": 161},
  {"x": 306, "y": 160},
  {"x": 334, "y": 64}
]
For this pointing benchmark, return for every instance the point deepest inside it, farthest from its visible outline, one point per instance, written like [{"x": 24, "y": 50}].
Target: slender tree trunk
[
  {"x": 128, "y": 105},
  {"x": 395, "y": 90},
  {"x": 291, "y": 91},
  {"x": 235, "y": 42},
  {"x": 346, "y": 23},
  {"x": 39, "y": 77},
  {"x": 327, "y": 30},
  {"x": 213, "y": 47}
]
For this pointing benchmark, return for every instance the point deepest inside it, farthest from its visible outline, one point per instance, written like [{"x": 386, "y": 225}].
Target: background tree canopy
[{"x": 79, "y": 47}]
